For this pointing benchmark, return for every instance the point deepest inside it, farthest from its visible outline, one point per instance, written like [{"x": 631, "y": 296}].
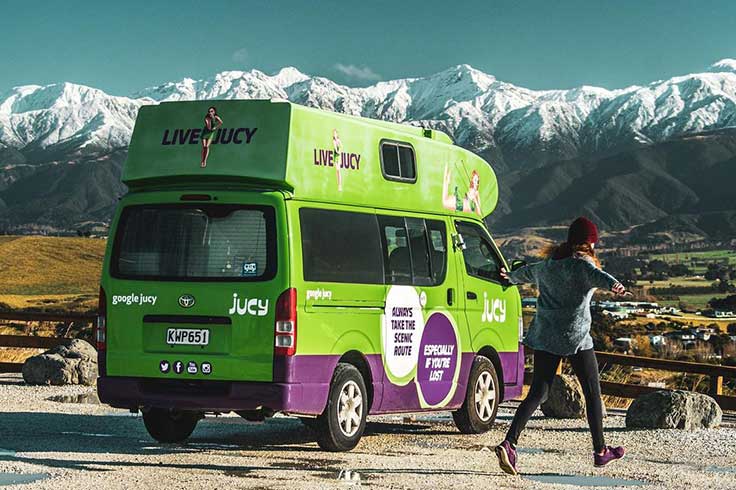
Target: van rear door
[{"x": 193, "y": 287}]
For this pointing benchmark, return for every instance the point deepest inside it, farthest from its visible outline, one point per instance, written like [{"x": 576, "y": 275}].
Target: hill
[
  {"x": 683, "y": 185},
  {"x": 50, "y": 272}
]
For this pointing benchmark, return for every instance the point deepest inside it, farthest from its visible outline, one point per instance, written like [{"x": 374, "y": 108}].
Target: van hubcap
[
  {"x": 350, "y": 408},
  {"x": 485, "y": 396}
]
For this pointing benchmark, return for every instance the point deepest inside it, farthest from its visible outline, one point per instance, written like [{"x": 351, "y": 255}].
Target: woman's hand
[{"x": 619, "y": 288}]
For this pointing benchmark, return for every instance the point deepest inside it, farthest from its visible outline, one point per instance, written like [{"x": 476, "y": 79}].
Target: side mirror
[
  {"x": 458, "y": 242},
  {"x": 517, "y": 264}
]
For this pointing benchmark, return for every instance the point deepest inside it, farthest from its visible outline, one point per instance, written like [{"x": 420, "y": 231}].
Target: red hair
[
  {"x": 472, "y": 176},
  {"x": 565, "y": 250}
]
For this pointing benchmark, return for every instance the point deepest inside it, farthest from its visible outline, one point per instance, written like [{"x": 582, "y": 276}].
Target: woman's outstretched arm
[{"x": 521, "y": 275}]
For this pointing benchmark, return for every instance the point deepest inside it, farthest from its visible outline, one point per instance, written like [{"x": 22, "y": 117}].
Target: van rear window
[{"x": 195, "y": 243}]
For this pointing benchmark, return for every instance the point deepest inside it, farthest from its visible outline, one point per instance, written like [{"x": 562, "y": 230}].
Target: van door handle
[
  {"x": 471, "y": 295},
  {"x": 450, "y": 296}
]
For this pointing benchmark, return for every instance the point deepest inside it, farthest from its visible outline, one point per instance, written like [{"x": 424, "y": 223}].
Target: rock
[
  {"x": 565, "y": 400},
  {"x": 674, "y": 410},
  {"x": 72, "y": 364}
]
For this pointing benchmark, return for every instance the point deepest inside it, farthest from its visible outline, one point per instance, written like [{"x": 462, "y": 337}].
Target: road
[{"x": 87, "y": 445}]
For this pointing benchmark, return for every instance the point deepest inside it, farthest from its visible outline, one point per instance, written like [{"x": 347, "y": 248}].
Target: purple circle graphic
[{"x": 437, "y": 359}]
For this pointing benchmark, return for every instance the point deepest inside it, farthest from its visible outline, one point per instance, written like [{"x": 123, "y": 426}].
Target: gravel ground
[{"x": 81, "y": 445}]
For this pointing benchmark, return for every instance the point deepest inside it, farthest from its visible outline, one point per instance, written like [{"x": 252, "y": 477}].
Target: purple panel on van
[{"x": 301, "y": 385}]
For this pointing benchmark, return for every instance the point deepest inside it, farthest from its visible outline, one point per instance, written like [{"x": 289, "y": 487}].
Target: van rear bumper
[{"x": 219, "y": 396}]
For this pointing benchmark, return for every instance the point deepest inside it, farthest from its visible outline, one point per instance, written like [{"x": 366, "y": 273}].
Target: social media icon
[
  {"x": 164, "y": 366},
  {"x": 206, "y": 368},
  {"x": 192, "y": 367},
  {"x": 178, "y": 367}
]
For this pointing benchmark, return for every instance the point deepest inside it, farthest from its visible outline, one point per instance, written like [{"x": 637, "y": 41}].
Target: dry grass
[
  {"x": 685, "y": 319},
  {"x": 17, "y": 355},
  {"x": 54, "y": 302},
  {"x": 41, "y": 329},
  {"x": 34, "y": 265}
]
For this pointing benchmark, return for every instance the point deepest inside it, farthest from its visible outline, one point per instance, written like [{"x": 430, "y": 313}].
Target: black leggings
[{"x": 545, "y": 367}]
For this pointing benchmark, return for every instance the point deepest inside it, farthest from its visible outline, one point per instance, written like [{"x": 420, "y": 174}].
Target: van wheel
[
  {"x": 170, "y": 425},
  {"x": 341, "y": 425},
  {"x": 481, "y": 400}
]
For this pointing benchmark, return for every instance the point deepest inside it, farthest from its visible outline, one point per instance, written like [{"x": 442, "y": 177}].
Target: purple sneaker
[
  {"x": 507, "y": 457},
  {"x": 610, "y": 454}
]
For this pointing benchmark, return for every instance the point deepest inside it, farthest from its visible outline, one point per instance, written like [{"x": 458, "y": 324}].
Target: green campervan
[{"x": 270, "y": 257}]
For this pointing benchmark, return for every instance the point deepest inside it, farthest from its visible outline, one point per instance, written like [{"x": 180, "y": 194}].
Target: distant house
[
  {"x": 719, "y": 314},
  {"x": 725, "y": 314},
  {"x": 619, "y": 314},
  {"x": 657, "y": 341},
  {"x": 682, "y": 335},
  {"x": 623, "y": 343},
  {"x": 667, "y": 310}
]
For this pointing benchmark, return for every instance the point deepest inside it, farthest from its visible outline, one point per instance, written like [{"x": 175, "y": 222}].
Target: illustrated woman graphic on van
[
  {"x": 337, "y": 151},
  {"x": 470, "y": 202},
  {"x": 212, "y": 123}
]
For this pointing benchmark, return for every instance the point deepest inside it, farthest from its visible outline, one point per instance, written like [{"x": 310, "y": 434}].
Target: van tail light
[
  {"x": 285, "y": 326},
  {"x": 101, "y": 323}
]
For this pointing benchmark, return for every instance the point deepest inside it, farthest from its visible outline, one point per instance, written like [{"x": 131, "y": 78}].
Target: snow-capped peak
[
  {"x": 288, "y": 76},
  {"x": 724, "y": 65},
  {"x": 526, "y": 127}
]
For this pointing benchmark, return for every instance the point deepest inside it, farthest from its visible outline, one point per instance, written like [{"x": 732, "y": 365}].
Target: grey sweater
[{"x": 562, "y": 323}]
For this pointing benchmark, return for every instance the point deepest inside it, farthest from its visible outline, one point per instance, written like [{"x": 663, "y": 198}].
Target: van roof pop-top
[{"x": 275, "y": 258}]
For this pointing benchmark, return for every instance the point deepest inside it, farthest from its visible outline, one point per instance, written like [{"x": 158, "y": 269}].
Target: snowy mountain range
[{"x": 516, "y": 129}]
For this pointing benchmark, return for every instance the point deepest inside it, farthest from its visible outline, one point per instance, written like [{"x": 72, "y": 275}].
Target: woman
[
  {"x": 470, "y": 202},
  {"x": 212, "y": 123},
  {"x": 561, "y": 328},
  {"x": 337, "y": 146}
]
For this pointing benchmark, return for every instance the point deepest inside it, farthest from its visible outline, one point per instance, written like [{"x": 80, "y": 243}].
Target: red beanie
[{"x": 582, "y": 230}]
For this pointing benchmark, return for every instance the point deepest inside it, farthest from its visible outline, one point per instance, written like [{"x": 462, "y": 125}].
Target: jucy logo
[
  {"x": 493, "y": 310},
  {"x": 245, "y": 306},
  {"x": 223, "y": 136}
]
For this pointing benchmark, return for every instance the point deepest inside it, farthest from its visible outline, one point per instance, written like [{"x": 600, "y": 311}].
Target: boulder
[
  {"x": 565, "y": 400},
  {"x": 673, "y": 410},
  {"x": 71, "y": 364}
]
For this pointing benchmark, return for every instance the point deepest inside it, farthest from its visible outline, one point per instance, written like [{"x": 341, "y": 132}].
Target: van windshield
[{"x": 195, "y": 242}]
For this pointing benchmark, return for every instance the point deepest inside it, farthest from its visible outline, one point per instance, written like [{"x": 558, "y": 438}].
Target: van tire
[
  {"x": 170, "y": 425},
  {"x": 331, "y": 431},
  {"x": 483, "y": 380}
]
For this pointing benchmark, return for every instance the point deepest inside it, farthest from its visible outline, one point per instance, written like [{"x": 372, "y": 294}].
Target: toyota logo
[{"x": 186, "y": 300}]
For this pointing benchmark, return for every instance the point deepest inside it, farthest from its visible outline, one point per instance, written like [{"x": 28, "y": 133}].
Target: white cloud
[
  {"x": 240, "y": 56},
  {"x": 357, "y": 72}
]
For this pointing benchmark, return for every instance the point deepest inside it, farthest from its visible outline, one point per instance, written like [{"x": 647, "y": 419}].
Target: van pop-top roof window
[{"x": 398, "y": 162}]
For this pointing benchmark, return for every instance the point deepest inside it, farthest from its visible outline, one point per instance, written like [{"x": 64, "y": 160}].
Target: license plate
[{"x": 187, "y": 336}]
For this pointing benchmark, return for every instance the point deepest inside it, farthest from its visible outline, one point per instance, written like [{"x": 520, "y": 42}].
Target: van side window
[
  {"x": 414, "y": 250},
  {"x": 396, "y": 253},
  {"x": 480, "y": 256},
  {"x": 340, "y": 246},
  {"x": 398, "y": 162}
]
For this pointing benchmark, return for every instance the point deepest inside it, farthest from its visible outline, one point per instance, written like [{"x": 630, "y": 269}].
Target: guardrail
[
  {"x": 37, "y": 342},
  {"x": 715, "y": 372}
]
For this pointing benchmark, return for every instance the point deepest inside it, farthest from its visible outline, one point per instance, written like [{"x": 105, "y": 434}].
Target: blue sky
[{"x": 121, "y": 47}]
